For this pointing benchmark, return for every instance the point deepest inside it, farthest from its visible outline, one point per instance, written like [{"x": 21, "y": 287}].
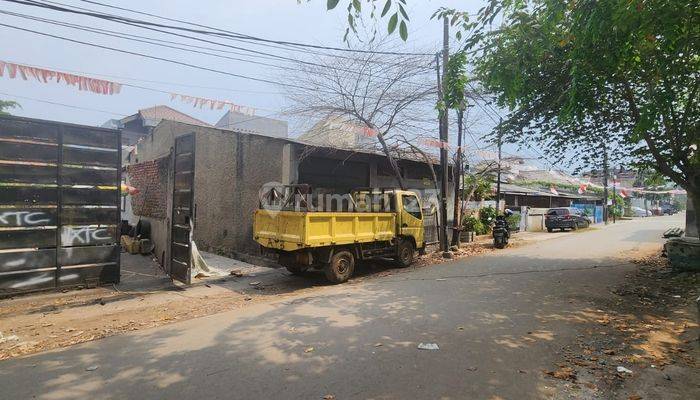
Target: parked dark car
[
  {"x": 565, "y": 218},
  {"x": 668, "y": 209}
]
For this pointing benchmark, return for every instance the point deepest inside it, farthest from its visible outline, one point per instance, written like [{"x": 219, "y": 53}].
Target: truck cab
[{"x": 405, "y": 204}]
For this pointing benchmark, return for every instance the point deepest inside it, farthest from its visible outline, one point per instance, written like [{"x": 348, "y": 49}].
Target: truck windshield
[{"x": 411, "y": 205}]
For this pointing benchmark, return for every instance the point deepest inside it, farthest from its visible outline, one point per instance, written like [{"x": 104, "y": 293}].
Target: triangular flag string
[
  {"x": 98, "y": 86},
  {"x": 101, "y": 86}
]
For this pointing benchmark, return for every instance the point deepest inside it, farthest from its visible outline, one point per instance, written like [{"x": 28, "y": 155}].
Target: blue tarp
[{"x": 591, "y": 210}]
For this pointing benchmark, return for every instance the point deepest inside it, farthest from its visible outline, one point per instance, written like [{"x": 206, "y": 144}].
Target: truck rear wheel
[
  {"x": 404, "y": 253},
  {"x": 341, "y": 267}
]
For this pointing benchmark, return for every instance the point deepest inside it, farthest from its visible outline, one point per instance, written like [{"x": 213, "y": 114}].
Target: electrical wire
[
  {"x": 149, "y": 81},
  {"x": 157, "y": 58},
  {"x": 250, "y": 37},
  {"x": 61, "y": 104},
  {"x": 154, "y": 41},
  {"x": 220, "y": 33}
]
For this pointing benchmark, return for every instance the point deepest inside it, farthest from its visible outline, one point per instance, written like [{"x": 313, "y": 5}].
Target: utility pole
[
  {"x": 457, "y": 223},
  {"x": 605, "y": 183},
  {"x": 642, "y": 182},
  {"x": 614, "y": 199},
  {"x": 444, "y": 162},
  {"x": 498, "y": 175}
]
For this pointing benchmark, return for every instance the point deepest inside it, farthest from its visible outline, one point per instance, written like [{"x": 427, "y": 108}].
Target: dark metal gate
[
  {"x": 59, "y": 205},
  {"x": 430, "y": 226},
  {"x": 183, "y": 209}
]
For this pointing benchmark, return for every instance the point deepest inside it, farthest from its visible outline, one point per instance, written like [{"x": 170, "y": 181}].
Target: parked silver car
[{"x": 640, "y": 212}]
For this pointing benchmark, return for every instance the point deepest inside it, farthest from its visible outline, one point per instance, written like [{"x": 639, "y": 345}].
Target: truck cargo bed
[{"x": 292, "y": 230}]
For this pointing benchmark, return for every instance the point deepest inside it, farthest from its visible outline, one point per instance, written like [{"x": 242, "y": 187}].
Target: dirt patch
[{"x": 641, "y": 342}]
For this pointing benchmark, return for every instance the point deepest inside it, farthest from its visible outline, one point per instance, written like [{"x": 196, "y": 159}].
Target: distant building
[
  {"x": 237, "y": 121},
  {"x": 136, "y": 126},
  {"x": 623, "y": 177},
  {"x": 340, "y": 133}
]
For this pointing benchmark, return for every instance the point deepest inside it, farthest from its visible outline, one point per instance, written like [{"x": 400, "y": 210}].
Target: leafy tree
[
  {"x": 394, "y": 10},
  {"x": 632, "y": 66},
  {"x": 477, "y": 187},
  {"x": 603, "y": 72},
  {"x": 6, "y": 105}
]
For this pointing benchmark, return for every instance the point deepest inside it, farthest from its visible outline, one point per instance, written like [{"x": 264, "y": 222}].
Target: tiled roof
[{"x": 158, "y": 113}]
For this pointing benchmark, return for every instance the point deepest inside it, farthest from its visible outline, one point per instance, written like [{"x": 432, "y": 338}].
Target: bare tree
[{"x": 387, "y": 97}]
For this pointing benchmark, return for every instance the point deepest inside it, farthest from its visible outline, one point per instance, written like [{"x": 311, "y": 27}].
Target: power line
[
  {"x": 220, "y": 33},
  {"x": 136, "y": 38},
  {"x": 141, "y": 87},
  {"x": 62, "y": 104},
  {"x": 153, "y": 81},
  {"x": 155, "y": 41},
  {"x": 170, "y": 60},
  {"x": 249, "y": 37},
  {"x": 111, "y": 112},
  {"x": 155, "y": 57},
  {"x": 541, "y": 156}
]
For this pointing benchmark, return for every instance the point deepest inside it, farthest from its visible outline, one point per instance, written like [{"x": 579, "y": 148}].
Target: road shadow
[{"x": 497, "y": 326}]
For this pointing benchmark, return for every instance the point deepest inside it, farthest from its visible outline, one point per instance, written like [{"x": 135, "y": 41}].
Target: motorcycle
[{"x": 501, "y": 233}]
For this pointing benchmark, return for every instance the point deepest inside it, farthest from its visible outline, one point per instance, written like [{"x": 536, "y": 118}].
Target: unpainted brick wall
[{"x": 150, "y": 178}]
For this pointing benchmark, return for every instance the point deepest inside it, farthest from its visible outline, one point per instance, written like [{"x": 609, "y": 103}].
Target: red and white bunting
[
  {"x": 93, "y": 85},
  {"x": 435, "y": 143},
  {"x": 201, "y": 102},
  {"x": 369, "y": 132}
]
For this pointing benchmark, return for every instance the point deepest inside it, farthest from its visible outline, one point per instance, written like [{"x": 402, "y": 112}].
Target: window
[
  {"x": 411, "y": 205},
  {"x": 558, "y": 211}
]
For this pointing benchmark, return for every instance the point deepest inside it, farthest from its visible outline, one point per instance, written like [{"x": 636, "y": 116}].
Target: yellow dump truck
[{"x": 332, "y": 232}]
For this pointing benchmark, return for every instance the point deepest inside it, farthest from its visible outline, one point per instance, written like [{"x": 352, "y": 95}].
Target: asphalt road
[{"x": 498, "y": 319}]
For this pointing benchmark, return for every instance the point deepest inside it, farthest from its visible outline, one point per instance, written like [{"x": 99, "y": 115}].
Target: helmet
[{"x": 508, "y": 213}]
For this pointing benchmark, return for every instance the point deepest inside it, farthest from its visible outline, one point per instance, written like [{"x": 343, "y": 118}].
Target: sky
[{"x": 287, "y": 20}]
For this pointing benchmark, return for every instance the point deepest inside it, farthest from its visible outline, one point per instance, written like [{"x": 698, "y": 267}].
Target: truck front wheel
[
  {"x": 341, "y": 267},
  {"x": 404, "y": 253}
]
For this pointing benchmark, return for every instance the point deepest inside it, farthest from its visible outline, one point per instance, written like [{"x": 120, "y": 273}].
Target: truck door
[{"x": 411, "y": 217}]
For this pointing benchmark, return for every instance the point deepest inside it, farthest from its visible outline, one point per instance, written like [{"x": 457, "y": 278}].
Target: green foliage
[
  {"x": 473, "y": 224},
  {"x": 480, "y": 188},
  {"x": 6, "y": 105},
  {"x": 513, "y": 221},
  {"x": 399, "y": 18},
  {"x": 618, "y": 207},
  {"x": 456, "y": 81},
  {"x": 592, "y": 76},
  {"x": 545, "y": 185},
  {"x": 487, "y": 216},
  {"x": 612, "y": 72}
]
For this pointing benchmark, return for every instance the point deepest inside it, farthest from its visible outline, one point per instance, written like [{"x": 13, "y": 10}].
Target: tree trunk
[
  {"x": 692, "y": 217},
  {"x": 392, "y": 162}
]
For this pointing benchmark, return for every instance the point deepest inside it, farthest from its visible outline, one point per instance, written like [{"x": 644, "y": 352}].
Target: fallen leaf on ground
[
  {"x": 564, "y": 373},
  {"x": 308, "y": 350}
]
